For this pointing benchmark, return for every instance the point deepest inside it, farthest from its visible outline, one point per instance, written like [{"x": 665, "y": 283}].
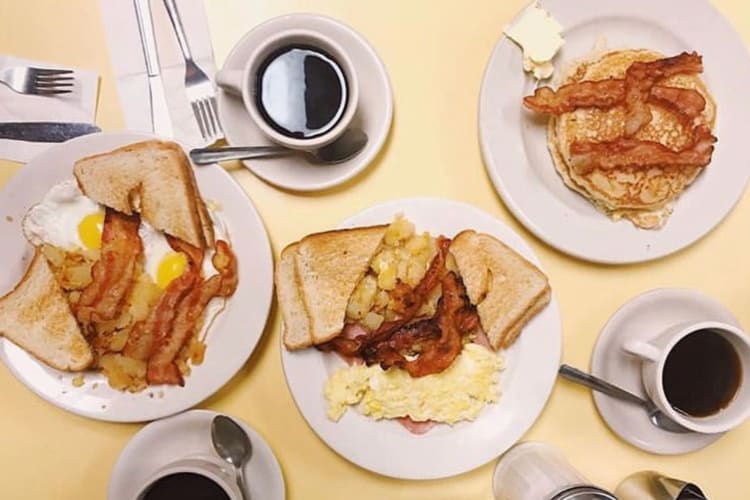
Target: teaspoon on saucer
[
  {"x": 656, "y": 416},
  {"x": 233, "y": 445},
  {"x": 351, "y": 142}
]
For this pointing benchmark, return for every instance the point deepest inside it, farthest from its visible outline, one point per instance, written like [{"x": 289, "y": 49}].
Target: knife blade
[
  {"x": 45, "y": 131},
  {"x": 160, "y": 121}
]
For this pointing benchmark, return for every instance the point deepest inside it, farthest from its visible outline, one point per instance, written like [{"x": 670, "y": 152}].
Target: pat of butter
[{"x": 538, "y": 35}]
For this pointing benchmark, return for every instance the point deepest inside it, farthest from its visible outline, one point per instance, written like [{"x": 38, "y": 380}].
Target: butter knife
[
  {"x": 45, "y": 131},
  {"x": 160, "y": 122}
]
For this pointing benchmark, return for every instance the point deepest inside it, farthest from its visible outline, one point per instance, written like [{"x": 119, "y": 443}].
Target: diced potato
[
  {"x": 399, "y": 230},
  {"x": 124, "y": 373},
  {"x": 387, "y": 278},
  {"x": 372, "y": 321}
]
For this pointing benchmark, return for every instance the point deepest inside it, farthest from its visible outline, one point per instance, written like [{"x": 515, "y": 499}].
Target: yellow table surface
[{"x": 435, "y": 52}]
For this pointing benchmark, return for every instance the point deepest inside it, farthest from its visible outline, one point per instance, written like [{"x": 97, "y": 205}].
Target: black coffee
[
  {"x": 184, "y": 486},
  {"x": 301, "y": 91},
  {"x": 701, "y": 374}
]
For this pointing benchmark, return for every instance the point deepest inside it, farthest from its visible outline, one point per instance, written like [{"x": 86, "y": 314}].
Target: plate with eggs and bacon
[
  {"x": 124, "y": 265},
  {"x": 421, "y": 337}
]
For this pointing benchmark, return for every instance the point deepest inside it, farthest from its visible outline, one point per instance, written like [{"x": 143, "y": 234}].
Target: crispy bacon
[
  {"x": 352, "y": 346},
  {"x": 640, "y": 77},
  {"x": 439, "y": 341},
  {"x": 605, "y": 94},
  {"x": 161, "y": 363},
  {"x": 624, "y": 152},
  {"x": 148, "y": 333},
  {"x": 112, "y": 275}
]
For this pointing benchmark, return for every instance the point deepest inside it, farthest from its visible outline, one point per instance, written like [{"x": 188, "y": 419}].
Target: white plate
[
  {"x": 514, "y": 142},
  {"x": 642, "y": 318},
  {"x": 189, "y": 434},
  {"x": 388, "y": 448},
  {"x": 232, "y": 337},
  {"x": 373, "y": 115}
]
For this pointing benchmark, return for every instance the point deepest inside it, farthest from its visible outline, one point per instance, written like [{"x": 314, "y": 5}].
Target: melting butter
[{"x": 539, "y": 36}]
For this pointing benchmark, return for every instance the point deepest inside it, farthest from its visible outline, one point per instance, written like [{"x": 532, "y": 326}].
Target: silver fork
[
  {"x": 40, "y": 81},
  {"x": 200, "y": 90}
]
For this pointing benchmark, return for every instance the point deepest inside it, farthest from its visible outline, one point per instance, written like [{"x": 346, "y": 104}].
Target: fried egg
[
  {"x": 65, "y": 218},
  {"x": 457, "y": 393},
  {"x": 163, "y": 264}
]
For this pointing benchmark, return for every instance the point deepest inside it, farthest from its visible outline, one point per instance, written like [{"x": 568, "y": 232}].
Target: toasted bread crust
[
  {"x": 153, "y": 178},
  {"x": 36, "y": 316}
]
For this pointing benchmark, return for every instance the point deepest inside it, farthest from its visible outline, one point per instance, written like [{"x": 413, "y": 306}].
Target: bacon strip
[
  {"x": 605, "y": 94},
  {"x": 624, "y": 152},
  {"x": 146, "y": 334},
  {"x": 112, "y": 275},
  {"x": 353, "y": 346},
  {"x": 161, "y": 363},
  {"x": 640, "y": 77}
]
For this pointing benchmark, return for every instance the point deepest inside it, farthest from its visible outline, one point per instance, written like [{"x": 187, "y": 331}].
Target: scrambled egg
[{"x": 458, "y": 393}]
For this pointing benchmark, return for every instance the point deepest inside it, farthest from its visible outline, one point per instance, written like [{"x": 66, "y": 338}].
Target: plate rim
[
  {"x": 554, "y": 339},
  {"x": 158, "y": 411}
]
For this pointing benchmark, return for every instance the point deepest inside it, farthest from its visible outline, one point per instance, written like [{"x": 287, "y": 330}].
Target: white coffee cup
[
  {"x": 243, "y": 83},
  {"x": 654, "y": 355},
  {"x": 211, "y": 467}
]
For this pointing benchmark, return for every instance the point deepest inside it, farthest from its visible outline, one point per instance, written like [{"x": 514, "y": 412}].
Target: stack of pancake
[{"x": 643, "y": 194}]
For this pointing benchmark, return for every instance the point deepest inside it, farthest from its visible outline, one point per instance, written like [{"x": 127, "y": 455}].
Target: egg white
[{"x": 55, "y": 219}]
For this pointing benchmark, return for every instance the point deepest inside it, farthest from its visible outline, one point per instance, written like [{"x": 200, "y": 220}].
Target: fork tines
[{"x": 53, "y": 81}]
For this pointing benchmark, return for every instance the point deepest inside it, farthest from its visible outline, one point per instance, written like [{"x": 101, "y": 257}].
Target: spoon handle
[
  {"x": 205, "y": 156},
  {"x": 597, "y": 384},
  {"x": 241, "y": 482}
]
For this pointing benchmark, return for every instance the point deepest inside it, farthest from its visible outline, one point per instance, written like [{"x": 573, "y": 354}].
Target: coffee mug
[
  {"x": 697, "y": 374},
  {"x": 244, "y": 83},
  {"x": 217, "y": 471}
]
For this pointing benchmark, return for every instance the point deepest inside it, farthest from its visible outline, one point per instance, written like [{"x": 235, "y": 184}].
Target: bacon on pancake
[
  {"x": 627, "y": 153},
  {"x": 640, "y": 77},
  {"x": 605, "y": 94},
  {"x": 162, "y": 368},
  {"x": 112, "y": 275}
]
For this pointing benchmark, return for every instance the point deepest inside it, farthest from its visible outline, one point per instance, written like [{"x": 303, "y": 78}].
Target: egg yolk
[
  {"x": 170, "y": 268},
  {"x": 90, "y": 230}
]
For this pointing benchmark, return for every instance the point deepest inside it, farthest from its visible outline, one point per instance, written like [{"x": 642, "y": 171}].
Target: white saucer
[
  {"x": 189, "y": 433},
  {"x": 642, "y": 318},
  {"x": 373, "y": 115}
]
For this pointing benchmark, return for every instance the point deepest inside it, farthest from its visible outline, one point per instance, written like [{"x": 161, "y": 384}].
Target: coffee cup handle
[
  {"x": 230, "y": 80},
  {"x": 642, "y": 350}
]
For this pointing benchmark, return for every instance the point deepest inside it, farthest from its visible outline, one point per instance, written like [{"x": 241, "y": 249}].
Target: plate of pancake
[{"x": 633, "y": 149}]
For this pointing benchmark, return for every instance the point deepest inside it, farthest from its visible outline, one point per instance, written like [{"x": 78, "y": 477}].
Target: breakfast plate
[
  {"x": 374, "y": 114},
  {"x": 189, "y": 434},
  {"x": 386, "y": 447},
  {"x": 640, "y": 319},
  {"x": 514, "y": 141},
  {"x": 231, "y": 338}
]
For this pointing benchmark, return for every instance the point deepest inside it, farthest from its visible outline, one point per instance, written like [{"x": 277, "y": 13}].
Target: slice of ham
[{"x": 416, "y": 427}]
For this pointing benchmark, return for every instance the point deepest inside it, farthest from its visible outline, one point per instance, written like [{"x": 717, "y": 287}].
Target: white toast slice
[{"x": 36, "y": 316}]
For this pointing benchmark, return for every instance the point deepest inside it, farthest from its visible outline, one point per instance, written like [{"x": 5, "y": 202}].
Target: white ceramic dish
[
  {"x": 643, "y": 318},
  {"x": 514, "y": 141},
  {"x": 183, "y": 435},
  {"x": 232, "y": 337},
  {"x": 374, "y": 113},
  {"x": 388, "y": 448}
]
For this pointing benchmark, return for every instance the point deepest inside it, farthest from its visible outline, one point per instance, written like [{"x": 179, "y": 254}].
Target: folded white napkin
[
  {"x": 78, "y": 106},
  {"x": 129, "y": 65}
]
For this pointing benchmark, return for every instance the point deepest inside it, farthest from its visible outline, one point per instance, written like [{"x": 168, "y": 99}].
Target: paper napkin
[
  {"x": 78, "y": 106},
  {"x": 129, "y": 65}
]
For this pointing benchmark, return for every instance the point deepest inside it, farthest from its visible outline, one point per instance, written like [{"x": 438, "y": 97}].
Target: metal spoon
[
  {"x": 655, "y": 415},
  {"x": 351, "y": 142},
  {"x": 233, "y": 445}
]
